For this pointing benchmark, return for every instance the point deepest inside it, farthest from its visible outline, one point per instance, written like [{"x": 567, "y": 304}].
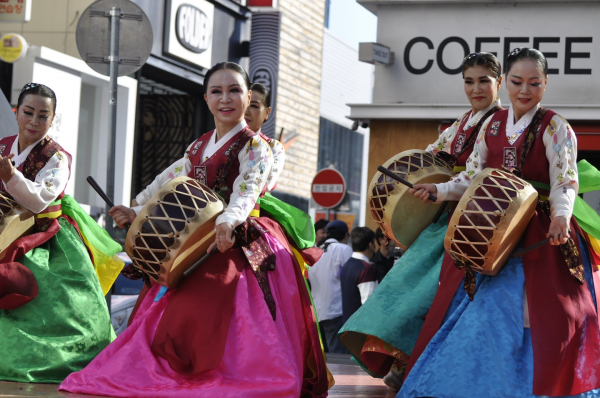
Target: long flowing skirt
[
  {"x": 483, "y": 348},
  {"x": 262, "y": 357},
  {"x": 62, "y": 329},
  {"x": 386, "y": 326}
]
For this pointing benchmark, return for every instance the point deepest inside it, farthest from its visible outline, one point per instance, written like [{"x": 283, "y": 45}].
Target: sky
[{"x": 352, "y": 22}]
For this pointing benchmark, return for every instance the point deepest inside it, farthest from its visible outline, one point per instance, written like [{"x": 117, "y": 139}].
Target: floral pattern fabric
[
  {"x": 561, "y": 151},
  {"x": 256, "y": 162}
]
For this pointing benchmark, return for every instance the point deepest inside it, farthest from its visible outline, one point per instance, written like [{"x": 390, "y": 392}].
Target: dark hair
[
  {"x": 526, "y": 53},
  {"x": 379, "y": 234},
  {"x": 226, "y": 65},
  {"x": 321, "y": 224},
  {"x": 361, "y": 237},
  {"x": 37, "y": 89},
  {"x": 488, "y": 60},
  {"x": 259, "y": 88}
]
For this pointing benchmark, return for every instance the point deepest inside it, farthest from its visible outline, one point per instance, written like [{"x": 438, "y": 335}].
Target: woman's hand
[
  {"x": 422, "y": 191},
  {"x": 7, "y": 170},
  {"x": 224, "y": 238},
  {"x": 122, "y": 215},
  {"x": 559, "y": 230}
]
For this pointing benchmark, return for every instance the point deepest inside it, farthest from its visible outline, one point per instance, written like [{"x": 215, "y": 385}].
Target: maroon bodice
[
  {"x": 37, "y": 158},
  {"x": 502, "y": 154},
  {"x": 219, "y": 171}
]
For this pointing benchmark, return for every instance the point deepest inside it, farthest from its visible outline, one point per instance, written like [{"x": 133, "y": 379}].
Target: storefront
[
  {"x": 421, "y": 92},
  {"x": 189, "y": 37}
]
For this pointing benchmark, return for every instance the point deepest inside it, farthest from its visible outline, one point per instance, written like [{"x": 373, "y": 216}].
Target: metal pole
[
  {"x": 327, "y": 214},
  {"x": 115, "y": 20}
]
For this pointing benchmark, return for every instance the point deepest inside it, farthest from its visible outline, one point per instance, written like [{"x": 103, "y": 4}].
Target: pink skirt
[{"x": 262, "y": 358}]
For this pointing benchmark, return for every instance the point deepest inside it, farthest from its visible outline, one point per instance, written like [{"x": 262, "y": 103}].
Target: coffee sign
[{"x": 189, "y": 31}]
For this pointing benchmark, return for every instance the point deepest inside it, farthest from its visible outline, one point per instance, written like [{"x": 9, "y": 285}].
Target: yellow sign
[{"x": 12, "y": 47}]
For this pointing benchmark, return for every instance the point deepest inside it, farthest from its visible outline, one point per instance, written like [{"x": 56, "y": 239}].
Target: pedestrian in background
[
  {"x": 358, "y": 274},
  {"x": 320, "y": 231},
  {"x": 324, "y": 279},
  {"x": 383, "y": 260}
]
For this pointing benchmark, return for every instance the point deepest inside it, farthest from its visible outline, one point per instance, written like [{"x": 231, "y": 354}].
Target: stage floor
[{"x": 350, "y": 381}]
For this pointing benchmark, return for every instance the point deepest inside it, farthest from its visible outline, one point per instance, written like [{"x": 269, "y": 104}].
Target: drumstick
[
  {"x": 198, "y": 263},
  {"x": 519, "y": 253},
  {"x": 401, "y": 180},
  {"x": 100, "y": 192}
]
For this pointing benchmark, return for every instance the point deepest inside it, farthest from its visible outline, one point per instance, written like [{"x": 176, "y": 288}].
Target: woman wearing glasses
[
  {"x": 531, "y": 330},
  {"x": 390, "y": 321}
]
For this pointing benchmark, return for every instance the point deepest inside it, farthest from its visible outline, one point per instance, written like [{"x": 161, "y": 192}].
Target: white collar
[
  {"x": 525, "y": 119},
  {"x": 236, "y": 129},
  {"x": 360, "y": 256},
  {"x": 474, "y": 119},
  {"x": 214, "y": 145},
  {"x": 20, "y": 157}
]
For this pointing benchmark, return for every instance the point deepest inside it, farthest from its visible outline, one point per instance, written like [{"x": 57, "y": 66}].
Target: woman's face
[
  {"x": 227, "y": 97},
  {"x": 34, "y": 117},
  {"x": 257, "y": 113},
  {"x": 526, "y": 83},
  {"x": 481, "y": 87}
]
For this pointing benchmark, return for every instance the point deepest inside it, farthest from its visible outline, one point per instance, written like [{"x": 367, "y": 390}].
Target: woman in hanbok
[
  {"x": 228, "y": 330},
  {"x": 532, "y": 329},
  {"x": 382, "y": 333},
  {"x": 53, "y": 314}
]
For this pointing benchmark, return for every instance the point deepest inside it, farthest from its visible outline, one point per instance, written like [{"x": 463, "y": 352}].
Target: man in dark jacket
[
  {"x": 383, "y": 260},
  {"x": 358, "y": 276}
]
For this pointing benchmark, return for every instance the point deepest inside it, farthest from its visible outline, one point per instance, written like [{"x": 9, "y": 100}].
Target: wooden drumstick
[
  {"x": 401, "y": 180},
  {"x": 519, "y": 253},
  {"x": 100, "y": 192},
  {"x": 198, "y": 263}
]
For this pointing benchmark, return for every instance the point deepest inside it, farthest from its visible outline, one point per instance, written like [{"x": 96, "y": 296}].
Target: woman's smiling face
[
  {"x": 481, "y": 87},
  {"x": 525, "y": 83},
  {"x": 227, "y": 97}
]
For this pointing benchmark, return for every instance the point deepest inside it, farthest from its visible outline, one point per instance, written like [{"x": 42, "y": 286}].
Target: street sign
[
  {"x": 15, "y": 11},
  {"x": 328, "y": 188}
]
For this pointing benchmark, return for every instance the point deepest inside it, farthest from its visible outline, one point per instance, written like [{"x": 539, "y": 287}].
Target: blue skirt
[{"x": 482, "y": 348}]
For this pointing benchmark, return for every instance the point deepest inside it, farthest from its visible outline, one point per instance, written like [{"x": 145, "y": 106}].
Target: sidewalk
[{"x": 350, "y": 381}]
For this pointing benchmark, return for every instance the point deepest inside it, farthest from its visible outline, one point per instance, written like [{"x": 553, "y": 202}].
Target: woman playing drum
[
  {"x": 53, "y": 314},
  {"x": 389, "y": 322},
  {"x": 532, "y": 329},
  {"x": 223, "y": 331}
]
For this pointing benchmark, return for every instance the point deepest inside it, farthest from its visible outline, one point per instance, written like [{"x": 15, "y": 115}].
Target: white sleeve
[
  {"x": 456, "y": 187},
  {"x": 278, "y": 162},
  {"x": 179, "y": 168},
  {"x": 366, "y": 289},
  {"x": 48, "y": 184},
  {"x": 256, "y": 161},
  {"x": 561, "y": 152},
  {"x": 445, "y": 139}
]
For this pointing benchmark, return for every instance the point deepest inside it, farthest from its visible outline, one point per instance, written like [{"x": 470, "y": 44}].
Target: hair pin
[
  {"x": 515, "y": 52},
  {"x": 30, "y": 86},
  {"x": 470, "y": 56}
]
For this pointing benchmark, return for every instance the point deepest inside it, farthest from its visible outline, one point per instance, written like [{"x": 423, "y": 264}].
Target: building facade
[{"x": 422, "y": 91}]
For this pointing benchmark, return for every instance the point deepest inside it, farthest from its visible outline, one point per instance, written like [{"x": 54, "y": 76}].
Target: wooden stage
[{"x": 350, "y": 381}]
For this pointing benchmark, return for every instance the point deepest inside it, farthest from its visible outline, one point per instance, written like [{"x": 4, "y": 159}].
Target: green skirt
[
  {"x": 62, "y": 329},
  {"x": 396, "y": 311}
]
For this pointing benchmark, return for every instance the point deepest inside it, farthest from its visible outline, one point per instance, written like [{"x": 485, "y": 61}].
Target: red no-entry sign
[{"x": 328, "y": 188}]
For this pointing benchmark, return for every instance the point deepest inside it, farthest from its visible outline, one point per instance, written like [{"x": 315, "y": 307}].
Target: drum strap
[
  {"x": 260, "y": 256},
  {"x": 469, "y": 281}
]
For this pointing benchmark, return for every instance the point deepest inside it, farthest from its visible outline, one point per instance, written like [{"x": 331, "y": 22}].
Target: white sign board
[
  {"x": 374, "y": 52},
  {"x": 431, "y": 41},
  {"x": 15, "y": 10},
  {"x": 189, "y": 31}
]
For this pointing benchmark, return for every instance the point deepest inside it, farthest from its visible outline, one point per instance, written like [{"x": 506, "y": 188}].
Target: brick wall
[{"x": 299, "y": 88}]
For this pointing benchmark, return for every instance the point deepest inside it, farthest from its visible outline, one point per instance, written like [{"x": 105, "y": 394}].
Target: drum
[
  {"x": 173, "y": 230},
  {"x": 400, "y": 215},
  {"x": 15, "y": 222},
  {"x": 489, "y": 220}
]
